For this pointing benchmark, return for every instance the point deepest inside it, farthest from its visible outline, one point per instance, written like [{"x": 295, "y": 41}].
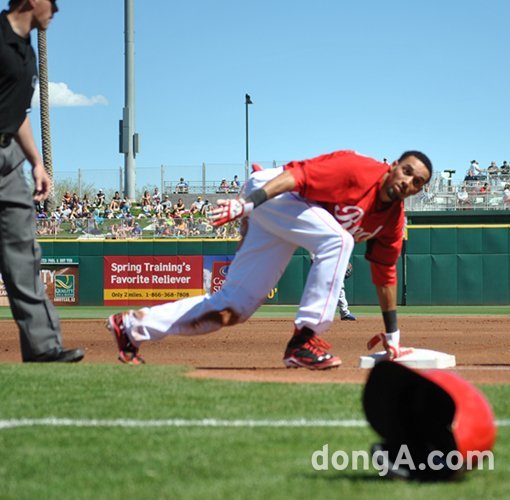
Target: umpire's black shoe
[{"x": 60, "y": 356}]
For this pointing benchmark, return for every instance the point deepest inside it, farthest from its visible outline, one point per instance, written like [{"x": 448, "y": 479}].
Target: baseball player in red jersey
[{"x": 325, "y": 205}]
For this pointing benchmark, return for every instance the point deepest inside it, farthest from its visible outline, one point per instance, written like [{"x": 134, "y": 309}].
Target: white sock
[{"x": 393, "y": 338}]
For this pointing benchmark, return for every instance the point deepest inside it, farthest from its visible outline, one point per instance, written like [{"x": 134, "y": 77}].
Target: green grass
[
  {"x": 271, "y": 311},
  {"x": 196, "y": 462}
]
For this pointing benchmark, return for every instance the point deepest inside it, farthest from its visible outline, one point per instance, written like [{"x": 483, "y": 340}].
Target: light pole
[{"x": 247, "y": 102}]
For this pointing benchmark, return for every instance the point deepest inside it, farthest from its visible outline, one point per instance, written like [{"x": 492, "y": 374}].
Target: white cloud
[{"x": 62, "y": 96}]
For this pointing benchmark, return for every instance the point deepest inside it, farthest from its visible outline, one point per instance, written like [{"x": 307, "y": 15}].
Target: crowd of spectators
[
  {"x": 157, "y": 215},
  {"x": 117, "y": 218},
  {"x": 480, "y": 188}
]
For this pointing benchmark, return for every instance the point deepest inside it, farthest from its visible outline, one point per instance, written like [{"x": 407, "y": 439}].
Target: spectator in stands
[
  {"x": 474, "y": 170},
  {"x": 40, "y": 213},
  {"x": 463, "y": 197},
  {"x": 485, "y": 189},
  {"x": 234, "y": 185},
  {"x": 66, "y": 212},
  {"x": 91, "y": 224},
  {"x": 181, "y": 187},
  {"x": 125, "y": 205},
  {"x": 197, "y": 205},
  {"x": 57, "y": 214},
  {"x": 100, "y": 199},
  {"x": 221, "y": 232},
  {"x": 505, "y": 168},
  {"x": 85, "y": 200},
  {"x": 156, "y": 196},
  {"x": 76, "y": 199},
  {"x": 146, "y": 199},
  {"x": 115, "y": 203},
  {"x": 179, "y": 208},
  {"x": 85, "y": 209},
  {"x": 158, "y": 207},
  {"x": 205, "y": 208},
  {"x": 76, "y": 211},
  {"x": 493, "y": 171},
  {"x": 427, "y": 195},
  {"x": 67, "y": 198},
  {"x": 137, "y": 230},
  {"x": 181, "y": 227},
  {"x": 506, "y": 193},
  {"x": 167, "y": 203},
  {"x": 223, "y": 188},
  {"x": 145, "y": 213},
  {"x": 169, "y": 228},
  {"x": 126, "y": 216},
  {"x": 97, "y": 216}
]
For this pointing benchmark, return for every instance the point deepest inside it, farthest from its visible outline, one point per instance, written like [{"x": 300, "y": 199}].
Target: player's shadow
[{"x": 352, "y": 477}]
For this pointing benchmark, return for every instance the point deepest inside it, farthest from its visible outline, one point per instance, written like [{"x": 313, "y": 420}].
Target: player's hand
[
  {"x": 229, "y": 210},
  {"x": 392, "y": 348}
]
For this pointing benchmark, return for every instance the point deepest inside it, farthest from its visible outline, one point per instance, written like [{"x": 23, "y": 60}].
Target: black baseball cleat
[
  {"x": 306, "y": 350},
  {"x": 59, "y": 356}
]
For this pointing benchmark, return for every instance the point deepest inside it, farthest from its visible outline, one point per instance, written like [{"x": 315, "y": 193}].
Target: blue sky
[{"x": 379, "y": 77}]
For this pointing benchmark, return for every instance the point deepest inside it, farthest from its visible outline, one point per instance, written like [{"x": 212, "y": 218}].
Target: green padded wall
[
  {"x": 445, "y": 265},
  {"x": 458, "y": 265}
]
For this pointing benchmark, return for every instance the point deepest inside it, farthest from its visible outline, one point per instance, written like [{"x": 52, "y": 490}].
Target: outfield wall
[{"x": 440, "y": 265}]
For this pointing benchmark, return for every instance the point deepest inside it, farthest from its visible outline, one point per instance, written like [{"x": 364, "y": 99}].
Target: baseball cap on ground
[{"x": 428, "y": 411}]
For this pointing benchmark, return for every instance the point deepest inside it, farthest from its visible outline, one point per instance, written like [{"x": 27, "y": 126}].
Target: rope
[{"x": 45, "y": 113}]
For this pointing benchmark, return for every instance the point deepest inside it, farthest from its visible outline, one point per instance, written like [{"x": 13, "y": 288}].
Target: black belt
[{"x": 5, "y": 139}]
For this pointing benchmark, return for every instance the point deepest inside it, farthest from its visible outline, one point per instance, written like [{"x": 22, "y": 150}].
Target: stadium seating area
[{"x": 180, "y": 211}]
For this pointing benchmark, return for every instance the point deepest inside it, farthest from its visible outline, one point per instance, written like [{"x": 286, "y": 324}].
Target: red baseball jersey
[{"x": 347, "y": 184}]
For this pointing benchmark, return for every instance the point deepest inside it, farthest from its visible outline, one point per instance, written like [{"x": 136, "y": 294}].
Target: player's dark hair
[{"x": 421, "y": 156}]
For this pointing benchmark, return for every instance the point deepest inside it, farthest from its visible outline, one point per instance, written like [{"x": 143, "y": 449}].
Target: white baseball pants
[
  {"x": 343, "y": 305},
  {"x": 276, "y": 229}
]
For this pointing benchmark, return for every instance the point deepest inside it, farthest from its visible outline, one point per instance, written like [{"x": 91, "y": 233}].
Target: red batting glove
[{"x": 229, "y": 210}]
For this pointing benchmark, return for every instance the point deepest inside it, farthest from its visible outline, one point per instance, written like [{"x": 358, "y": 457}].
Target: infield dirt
[{"x": 253, "y": 351}]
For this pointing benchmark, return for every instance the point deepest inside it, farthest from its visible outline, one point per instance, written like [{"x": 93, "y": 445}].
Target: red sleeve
[
  {"x": 383, "y": 252},
  {"x": 340, "y": 176}
]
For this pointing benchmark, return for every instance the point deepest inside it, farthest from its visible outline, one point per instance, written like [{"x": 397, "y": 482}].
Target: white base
[{"x": 417, "y": 358}]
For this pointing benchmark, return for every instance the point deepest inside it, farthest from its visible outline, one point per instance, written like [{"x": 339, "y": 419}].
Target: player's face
[{"x": 405, "y": 179}]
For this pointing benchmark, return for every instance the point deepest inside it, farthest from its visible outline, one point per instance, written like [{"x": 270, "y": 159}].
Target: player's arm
[
  {"x": 391, "y": 339},
  {"x": 229, "y": 210},
  {"x": 388, "y": 302},
  {"x": 25, "y": 138}
]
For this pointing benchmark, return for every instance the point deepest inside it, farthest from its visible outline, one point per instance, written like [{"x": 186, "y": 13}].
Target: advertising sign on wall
[
  {"x": 150, "y": 280},
  {"x": 216, "y": 270},
  {"x": 60, "y": 277}
]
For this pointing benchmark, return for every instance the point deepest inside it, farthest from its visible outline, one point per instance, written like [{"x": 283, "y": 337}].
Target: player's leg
[
  {"x": 343, "y": 305},
  {"x": 309, "y": 226},
  {"x": 256, "y": 268}
]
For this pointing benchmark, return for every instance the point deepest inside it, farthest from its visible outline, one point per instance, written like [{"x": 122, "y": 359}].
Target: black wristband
[
  {"x": 390, "y": 321},
  {"x": 258, "y": 197}
]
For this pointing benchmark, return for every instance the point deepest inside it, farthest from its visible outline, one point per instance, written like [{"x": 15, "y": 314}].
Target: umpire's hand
[{"x": 42, "y": 183}]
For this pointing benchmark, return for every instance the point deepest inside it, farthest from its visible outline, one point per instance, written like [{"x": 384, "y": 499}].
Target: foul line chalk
[{"x": 207, "y": 422}]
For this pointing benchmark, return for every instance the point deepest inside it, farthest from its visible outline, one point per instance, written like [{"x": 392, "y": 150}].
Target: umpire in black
[{"x": 20, "y": 254}]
